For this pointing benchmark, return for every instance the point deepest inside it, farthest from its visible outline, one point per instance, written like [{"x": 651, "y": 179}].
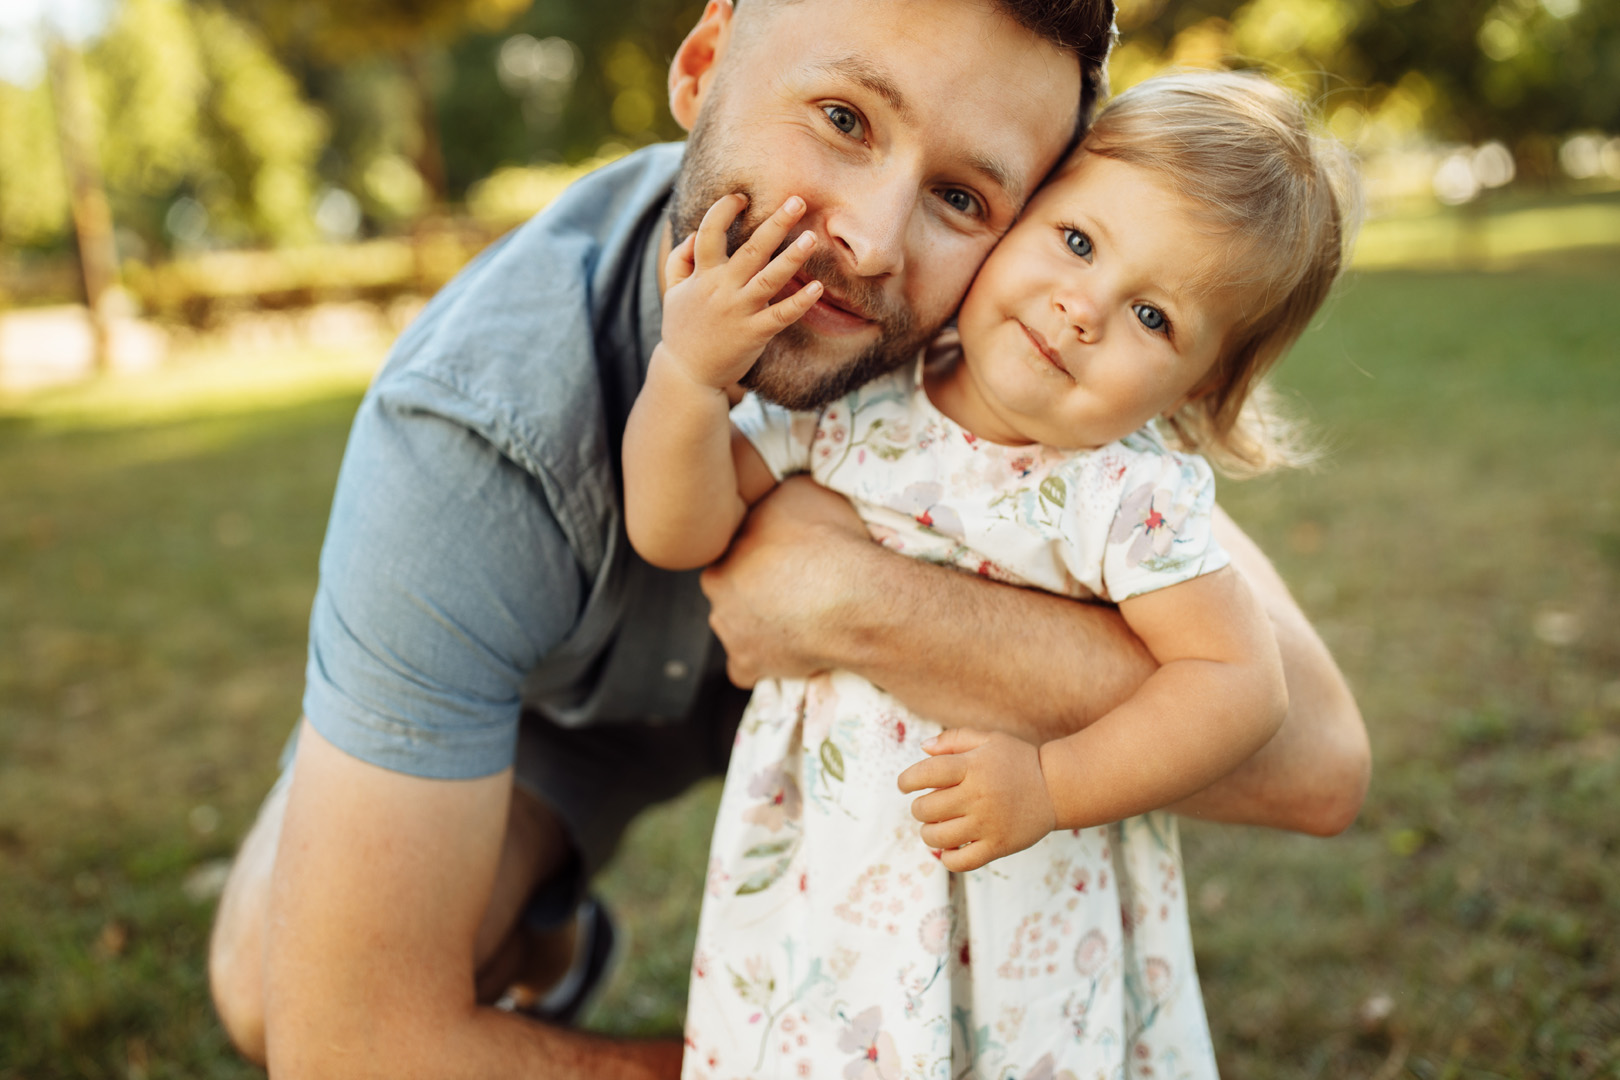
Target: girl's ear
[
  {"x": 693, "y": 67},
  {"x": 1205, "y": 387}
]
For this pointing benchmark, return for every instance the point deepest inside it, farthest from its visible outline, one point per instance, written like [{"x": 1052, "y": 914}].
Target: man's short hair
[{"x": 1084, "y": 28}]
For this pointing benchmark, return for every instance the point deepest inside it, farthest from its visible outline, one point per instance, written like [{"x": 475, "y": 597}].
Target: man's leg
[{"x": 535, "y": 848}]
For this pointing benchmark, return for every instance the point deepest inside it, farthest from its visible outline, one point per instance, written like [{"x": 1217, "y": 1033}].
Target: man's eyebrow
[
  {"x": 999, "y": 174},
  {"x": 860, "y": 70}
]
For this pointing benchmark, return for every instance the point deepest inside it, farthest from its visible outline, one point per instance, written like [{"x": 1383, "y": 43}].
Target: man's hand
[
  {"x": 989, "y": 796},
  {"x": 792, "y": 570}
]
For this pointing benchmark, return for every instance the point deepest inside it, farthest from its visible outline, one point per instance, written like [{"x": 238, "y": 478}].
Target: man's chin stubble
[{"x": 785, "y": 375}]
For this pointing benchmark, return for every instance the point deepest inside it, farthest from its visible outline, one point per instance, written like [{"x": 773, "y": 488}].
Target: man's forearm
[
  {"x": 802, "y": 589},
  {"x": 969, "y": 652},
  {"x": 1312, "y": 776}
]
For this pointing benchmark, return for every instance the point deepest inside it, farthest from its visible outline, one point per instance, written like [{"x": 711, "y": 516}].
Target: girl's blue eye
[
  {"x": 1150, "y": 317},
  {"x": 1078, "y": 242},
  {"x": 842, "y": 118}
]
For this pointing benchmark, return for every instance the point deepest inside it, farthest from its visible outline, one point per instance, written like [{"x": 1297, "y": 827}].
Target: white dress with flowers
[{"x": 832, "y": 943}]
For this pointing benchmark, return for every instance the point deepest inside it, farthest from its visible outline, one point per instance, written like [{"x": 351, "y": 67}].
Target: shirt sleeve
[
  {"x": 444, "y": 579},
  {"x": 782, "y": 437},
  {"x": 1162, "y": 532}
]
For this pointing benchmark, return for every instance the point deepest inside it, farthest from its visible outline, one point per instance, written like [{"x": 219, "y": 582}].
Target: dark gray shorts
[{"x": 597, "y": 778}]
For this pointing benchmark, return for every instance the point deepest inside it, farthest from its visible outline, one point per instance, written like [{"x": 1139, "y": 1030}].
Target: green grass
[{"x": 1460, "y": 551}]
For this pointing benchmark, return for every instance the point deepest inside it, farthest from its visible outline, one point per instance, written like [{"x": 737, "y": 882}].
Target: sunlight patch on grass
[
  {"x": 212, "y": 381},
  {"x": 1487, "y": 240}
]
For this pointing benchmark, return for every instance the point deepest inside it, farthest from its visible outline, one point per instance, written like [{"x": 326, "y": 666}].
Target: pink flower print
[
  {"x": 1023, "y": 465},
  {"x": 878, "y": 1059},
  {"x": 717, "y": 878},
  {"x": 921, "y": 501},
  {"x": 1156, "y": 975},
  {"x": 1090, "y": 953},
  {"x": 1150, "y": 521},
  {"x": 782, "y": 801},
  {"x": 935, "y": 931}
]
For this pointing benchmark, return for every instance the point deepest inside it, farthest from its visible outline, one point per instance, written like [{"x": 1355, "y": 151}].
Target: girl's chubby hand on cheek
[
  {"x": 719, "y": 312},
  {"x": 989, "y": 798}
]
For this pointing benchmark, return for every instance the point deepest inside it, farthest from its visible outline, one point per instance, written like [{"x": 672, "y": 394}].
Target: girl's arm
[
  {"x": 1217, "y": 697},
  {"x": 688, "y": 476}
]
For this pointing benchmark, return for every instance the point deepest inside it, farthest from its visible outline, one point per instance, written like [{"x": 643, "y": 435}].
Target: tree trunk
[{"x": 92, "y": 220}]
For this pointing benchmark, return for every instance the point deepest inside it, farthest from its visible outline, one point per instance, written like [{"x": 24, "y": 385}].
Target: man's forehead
[{"x": 1006, "y": 94}]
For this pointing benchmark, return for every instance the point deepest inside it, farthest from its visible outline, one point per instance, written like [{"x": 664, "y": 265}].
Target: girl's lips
[{"x": 1044, "y": 349}]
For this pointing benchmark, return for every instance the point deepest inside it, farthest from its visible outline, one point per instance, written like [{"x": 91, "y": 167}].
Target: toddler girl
[{"x": 1120, "y": 325}]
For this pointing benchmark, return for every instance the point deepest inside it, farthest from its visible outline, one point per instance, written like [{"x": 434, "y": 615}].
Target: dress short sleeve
[
  {"x": 782, "y": 437},
  {"x": 1162, "y": 532}
]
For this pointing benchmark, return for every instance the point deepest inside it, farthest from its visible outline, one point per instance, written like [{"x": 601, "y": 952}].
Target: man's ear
[{"x": 695, "y": 61}]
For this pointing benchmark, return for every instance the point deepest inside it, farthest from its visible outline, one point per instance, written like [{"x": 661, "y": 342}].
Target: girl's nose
[{"x": 1078, "y": 312}]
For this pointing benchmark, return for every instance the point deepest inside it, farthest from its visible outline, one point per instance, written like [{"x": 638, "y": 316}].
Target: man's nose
[{"x": 869, "y": 227}]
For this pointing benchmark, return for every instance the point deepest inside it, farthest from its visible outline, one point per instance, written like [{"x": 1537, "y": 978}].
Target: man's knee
[
  {"x": 236, "y": 983},
  {"x": 236, "y": 947}
]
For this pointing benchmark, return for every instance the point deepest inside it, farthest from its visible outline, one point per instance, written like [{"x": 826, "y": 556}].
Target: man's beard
[{"x": 786, "y": 372}]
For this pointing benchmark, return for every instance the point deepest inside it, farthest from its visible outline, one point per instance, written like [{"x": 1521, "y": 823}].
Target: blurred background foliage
[{"x": 234, "y": 123}]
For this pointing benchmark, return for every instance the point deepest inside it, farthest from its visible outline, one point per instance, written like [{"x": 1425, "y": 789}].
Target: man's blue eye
[
  {"x": 959, "y": 200},
  {"x": 1150, "y": 317},
  {"x": 843, "y": 119},
  {"x": 1078, "y": 242}
]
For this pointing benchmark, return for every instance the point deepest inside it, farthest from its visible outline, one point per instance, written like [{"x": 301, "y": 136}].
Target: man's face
[{"x": 913, "y": 129}]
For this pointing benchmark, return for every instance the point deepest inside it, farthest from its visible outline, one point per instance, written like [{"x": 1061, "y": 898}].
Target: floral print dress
[{"x": 832, "y": 942}]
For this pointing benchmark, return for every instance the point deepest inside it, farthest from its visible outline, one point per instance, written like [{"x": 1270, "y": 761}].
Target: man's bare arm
[
  {"x": 379, "y": 887},
  {"x": 1314, "y": 772},
  {"x": 803, "y": 590}
]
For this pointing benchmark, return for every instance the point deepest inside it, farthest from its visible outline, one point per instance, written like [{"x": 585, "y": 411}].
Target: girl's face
[{"x": 1086, "y": 320}]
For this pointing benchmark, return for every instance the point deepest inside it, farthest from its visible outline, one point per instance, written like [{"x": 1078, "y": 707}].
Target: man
[{"x": 475, "y": 565}]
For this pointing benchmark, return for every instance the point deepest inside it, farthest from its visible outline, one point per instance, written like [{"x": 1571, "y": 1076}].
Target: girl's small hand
[
  {"x": 718, "y": 314},
  {"x": 989, "y": 796}
]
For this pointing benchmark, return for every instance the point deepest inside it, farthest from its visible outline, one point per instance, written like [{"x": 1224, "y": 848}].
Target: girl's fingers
[
  {"x": 711, "y": 234},
  {"x": 942, "y": 805},
  {"x": 790, "y": 309},
  {"x": 929, "y": 772},
  {"x": 769, "y": 281},
  {"x": 948, "y": 834},
  {"x": 963, "y": 859},
  {"x": 758, "y": 249},
  {"x": 679, "y": 266}
]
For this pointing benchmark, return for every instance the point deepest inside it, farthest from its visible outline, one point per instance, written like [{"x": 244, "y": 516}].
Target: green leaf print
[
  {"x": 765, "y": 878},
  {"x": 1054, "y": 490},
  {"x": 832, "y": 759},
  {"x": 770, "y": 847}
]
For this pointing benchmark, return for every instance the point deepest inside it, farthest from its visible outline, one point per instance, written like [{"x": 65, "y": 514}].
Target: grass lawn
[{"x": 1460, "y": 551}]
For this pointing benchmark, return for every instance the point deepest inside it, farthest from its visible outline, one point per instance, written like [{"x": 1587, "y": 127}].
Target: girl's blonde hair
[{"x": 1245, "y": 152}]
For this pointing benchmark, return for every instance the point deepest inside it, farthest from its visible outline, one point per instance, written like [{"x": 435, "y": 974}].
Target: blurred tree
[
  {"x": 203, "y": 136},
  {"x": 1527, "y": 72},
  {"x": 87, "y": 198},
  {"x": 33, "y": 188},
  {"x": 411, "y": 31},
  {"x": 563, "y": 83}
]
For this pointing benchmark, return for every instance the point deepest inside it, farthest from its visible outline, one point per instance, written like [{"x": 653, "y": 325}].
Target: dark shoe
[{"x": 596, "y": 953}]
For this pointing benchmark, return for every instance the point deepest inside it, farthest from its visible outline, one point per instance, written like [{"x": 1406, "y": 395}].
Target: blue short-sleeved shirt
[{"x": 475, "y": 561}]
